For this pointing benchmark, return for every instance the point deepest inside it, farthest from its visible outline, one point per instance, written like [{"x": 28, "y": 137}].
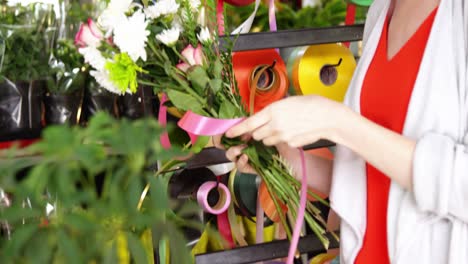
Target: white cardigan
[{"x": 430, "y": 223}]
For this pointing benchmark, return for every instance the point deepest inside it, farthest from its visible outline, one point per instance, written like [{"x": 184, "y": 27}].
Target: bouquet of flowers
[{"x": 173, "y": 46}]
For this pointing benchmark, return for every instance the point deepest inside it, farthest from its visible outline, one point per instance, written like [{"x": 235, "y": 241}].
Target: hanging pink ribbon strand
[
  {"x": 162, "y": 119},
  {"x": 220, "y": 16},
  {"x": 300, "y": 213}
]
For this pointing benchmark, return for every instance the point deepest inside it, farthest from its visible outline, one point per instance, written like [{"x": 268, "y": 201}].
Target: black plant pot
[
  {"x": 98, "y": 99},
  {"x": 141, "y": 104},
  {"x": 20, "y": 109},
  {"x": 62, "y": 108}
]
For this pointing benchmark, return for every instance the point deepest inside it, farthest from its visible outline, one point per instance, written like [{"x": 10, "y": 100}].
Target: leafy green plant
[
  {"x": 67, "y": 73},
  {"x": 26, "y": 35},
  {"x": 327, "y": 13},
  {"x": 92, "y": 178}
]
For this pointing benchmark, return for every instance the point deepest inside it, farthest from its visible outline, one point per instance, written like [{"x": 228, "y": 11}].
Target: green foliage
[
  {"x": 26, "y": 35},
  {"x": 328, "y": 13},
  {"x": 66, "y": 73},
  {"x": 93, "y": 177}
]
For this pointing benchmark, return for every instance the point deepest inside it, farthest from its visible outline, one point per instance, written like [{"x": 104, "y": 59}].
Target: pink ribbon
[
  {"x": 220, "y": 16},
  {"x": 224, "y": 196},
  {"x": 162, "y": 119},
  {"x": 300, "y": 213},
  {"x": 271, "y": 15},
  {"x": 206, "y": 126}
]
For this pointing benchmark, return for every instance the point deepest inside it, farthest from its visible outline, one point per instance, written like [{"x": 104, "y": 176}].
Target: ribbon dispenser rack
[{"x": 274, "y": 40}]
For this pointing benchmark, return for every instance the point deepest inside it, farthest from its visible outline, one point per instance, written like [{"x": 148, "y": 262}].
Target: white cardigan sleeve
[{"x": 440, "y": 176}]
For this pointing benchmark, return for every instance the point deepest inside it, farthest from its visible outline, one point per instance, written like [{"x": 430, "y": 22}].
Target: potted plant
[
  {"x": 25, "y": 34},
  {"x": 65, "y": 85},
  {"x": 80, "y": 200}
]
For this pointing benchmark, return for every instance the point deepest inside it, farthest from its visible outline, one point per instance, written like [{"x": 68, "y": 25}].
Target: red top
[{"x": 386, "y": 91}]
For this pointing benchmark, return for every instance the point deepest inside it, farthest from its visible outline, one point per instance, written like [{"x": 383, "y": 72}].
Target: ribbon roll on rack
[
  {"x": 291, "y": 64},
  {"x": 213, "y": 197},
  {"x": 222, "y": 218},
  {"x": 244, "y": 191},
  {"x": 268, "y": 205},
  {"x": 261, "y": 77},
  {"x": 324, "y": 70}
]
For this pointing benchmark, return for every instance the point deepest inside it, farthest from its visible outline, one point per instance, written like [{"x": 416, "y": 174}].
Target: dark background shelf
[
  {"x": 266, "y": 251},
  {"x": 296, "y": 37}
]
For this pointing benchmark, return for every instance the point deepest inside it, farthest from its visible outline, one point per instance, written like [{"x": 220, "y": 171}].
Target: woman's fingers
[
  {"x": 263, "y": 132},
  {"x": 250, "y": 124},
  {"x": 217, "y": 141},
  {"x": 233, "y": 152},
  {"x": 272, "y": 141},
  {"x": 243, "y": 165}
]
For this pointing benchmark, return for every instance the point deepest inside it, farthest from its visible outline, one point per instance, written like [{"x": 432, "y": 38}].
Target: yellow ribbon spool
[{"x": 324, "y": 70}]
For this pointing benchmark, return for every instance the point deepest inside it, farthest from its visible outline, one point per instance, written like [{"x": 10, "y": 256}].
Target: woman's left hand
[{"x": 296, "y": 120}]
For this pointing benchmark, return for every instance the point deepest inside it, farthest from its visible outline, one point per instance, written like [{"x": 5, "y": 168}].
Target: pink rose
[
  {"x": 193, "y": 56},
  {"x": 89, "y": 35}
]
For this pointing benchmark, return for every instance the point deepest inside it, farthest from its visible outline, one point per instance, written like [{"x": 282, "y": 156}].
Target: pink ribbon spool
[{"x": 224, "y": 197}]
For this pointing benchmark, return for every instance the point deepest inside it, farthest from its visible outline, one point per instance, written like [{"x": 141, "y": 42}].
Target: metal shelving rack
[{"x": 280, "y": 39}]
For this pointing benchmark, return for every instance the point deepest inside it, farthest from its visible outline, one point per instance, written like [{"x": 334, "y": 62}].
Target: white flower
[
  {"x": 204, "y": 36},
  {"x": 94, "y": 57},
  {"x": 195, "y": 4},
  {"x": 169, "y": 36},
  {"x": 162, "y": 8},
  {"x": 103, "y": 79},
  {"x": 113, "y": 14},
  {"x": 130, "y": 35}
]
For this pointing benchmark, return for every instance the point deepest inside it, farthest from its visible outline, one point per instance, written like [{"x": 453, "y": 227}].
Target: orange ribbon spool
[
  {"x": 261, "y": 77},
  {"x": 268, "y": 205}
]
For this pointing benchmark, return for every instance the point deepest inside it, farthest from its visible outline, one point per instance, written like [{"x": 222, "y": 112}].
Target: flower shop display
[
  {"x": 26, "y": 33},
  {"x": 173, "y": 47}
]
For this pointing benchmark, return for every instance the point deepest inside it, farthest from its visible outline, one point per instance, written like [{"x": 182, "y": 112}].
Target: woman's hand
[
  {"x": 235, "y": 155},
  {"x": 297, "y": 121}
]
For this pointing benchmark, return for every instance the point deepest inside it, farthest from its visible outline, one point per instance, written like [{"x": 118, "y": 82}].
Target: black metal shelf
[
  {"x": 296, "y": 37},
  {"x": 266, "y": 251}
]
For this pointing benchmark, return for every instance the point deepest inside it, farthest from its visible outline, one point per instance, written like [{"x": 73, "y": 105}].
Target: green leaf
[
  {"x": 200, "y": 143},
  {"x": 216, "y": 85},
  {"x": 136, "y": 249},
  {"x": 185, "y": 101},
  {"x": 198, "y": 77},
  {"x": 69, "y": 248},
  {"x": 227, "y": 110},
  {"x": 19, "y": 239},
  {"x": 218, "y": 69}
]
